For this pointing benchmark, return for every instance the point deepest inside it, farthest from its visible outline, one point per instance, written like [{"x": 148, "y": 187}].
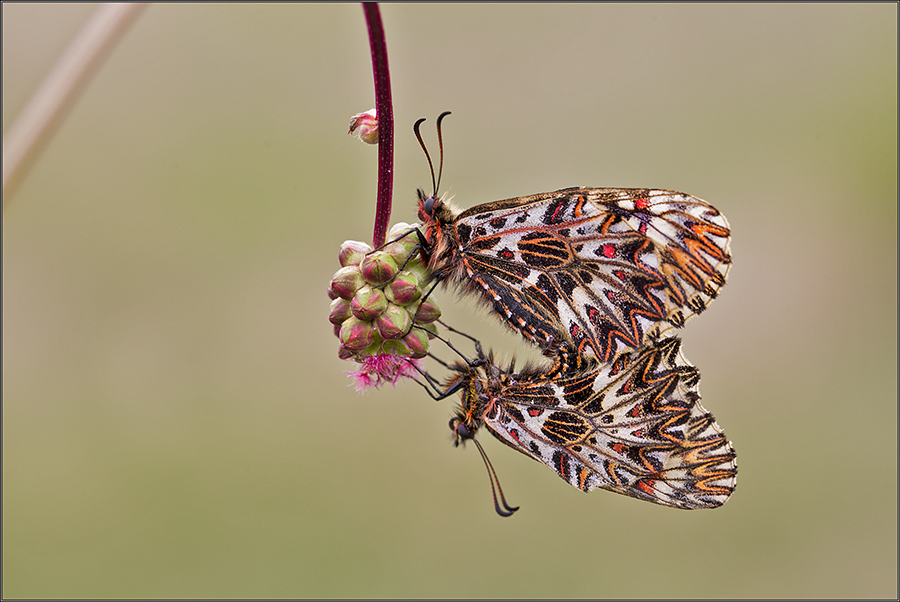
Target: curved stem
[
  {"x": 60, "y": 88},
  {"x": 385, "y": 112}
]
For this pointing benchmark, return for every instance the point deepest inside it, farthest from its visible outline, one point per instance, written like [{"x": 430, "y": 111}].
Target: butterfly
[
  {"x": 634, "y": 426},
  {"x": 600, "y": 271}
]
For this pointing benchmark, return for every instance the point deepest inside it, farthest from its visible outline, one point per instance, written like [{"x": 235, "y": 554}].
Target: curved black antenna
[
  {"x": 425, "y": 150},
  {"x": 507, "y": 510},
  {"x": 441, "y": 148}
]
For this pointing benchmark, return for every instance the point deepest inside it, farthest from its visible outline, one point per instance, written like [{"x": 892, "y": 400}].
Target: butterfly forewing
[
  {"x": 634, "y": 426},
  {"x": 601, "y": 270}
]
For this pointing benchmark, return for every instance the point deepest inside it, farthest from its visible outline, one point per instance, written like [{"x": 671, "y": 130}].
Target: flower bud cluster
[{"x": 378, "y": 297}]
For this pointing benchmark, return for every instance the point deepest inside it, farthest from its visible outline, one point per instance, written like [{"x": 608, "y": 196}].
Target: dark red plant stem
[{"x": 385, "y": 112}]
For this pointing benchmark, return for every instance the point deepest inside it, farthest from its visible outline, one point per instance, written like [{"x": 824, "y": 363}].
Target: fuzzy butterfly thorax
[
  {"x": 437, "y": 216},
  {"x": 480, "y": 383},
  {"x": 596, "y": 271}
]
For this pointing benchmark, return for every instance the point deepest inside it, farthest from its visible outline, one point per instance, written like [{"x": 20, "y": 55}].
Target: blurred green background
[{"x": 176, "y": 422}]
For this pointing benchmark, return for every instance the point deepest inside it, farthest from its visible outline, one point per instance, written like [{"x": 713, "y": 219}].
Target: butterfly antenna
[
  {"x": 441, "y": 148},
  {"x": 506, "y": 510},
  {"x": 425, "y": 150}
]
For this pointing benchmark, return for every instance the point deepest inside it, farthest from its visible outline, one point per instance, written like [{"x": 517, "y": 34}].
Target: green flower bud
[
  {"x": 404, "y": 289},
  {"x": 346, "y": 281},
  {"x": 417, "y": 268},
  {"x": 353, "y": 251},
  {"x": 356, "y": 334},
  {"x": 378, "y": 267},
  {"x": 374, "y": 348},
  {"x": 403, "y": 228},
  {"x": 394, "y": 322},
  {"x": 417, "y": 341},
  {"x": 340, "y": 311},
  {"x": 396, "y": 348},
  {"x": 428, "y": 311},
  {"x": 368, "y": 303},
  {"x": 403, "y": 250}
]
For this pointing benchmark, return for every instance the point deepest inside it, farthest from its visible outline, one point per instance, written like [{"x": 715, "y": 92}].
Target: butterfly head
[
  {"x": 461, "y": 432},
  {"x": 429, "y": 206}
]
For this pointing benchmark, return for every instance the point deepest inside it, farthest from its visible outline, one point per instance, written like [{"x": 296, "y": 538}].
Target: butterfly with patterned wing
[
  {"x": 634, "y": 426},
  {"x": 600, "y": 271}
]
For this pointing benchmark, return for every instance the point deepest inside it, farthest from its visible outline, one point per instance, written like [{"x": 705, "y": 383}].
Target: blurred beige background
[{"x": 176, "y": 422}]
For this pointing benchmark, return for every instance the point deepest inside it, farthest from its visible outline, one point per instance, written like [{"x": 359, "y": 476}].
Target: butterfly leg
[{"x": 433, "y": 387}]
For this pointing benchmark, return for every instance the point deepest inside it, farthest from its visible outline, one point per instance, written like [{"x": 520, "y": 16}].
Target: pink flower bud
[
  {"x": 372, "y": 349},
  {"x": 346, "y": 281},
  {"x": 353, "y": 251},
  {"x": 356, "y": 334},
  {"x": 401, "y": 249},
  {"x": 428, "y": 311},
  {"x": 417, "y": 341},
  {"x": 396, "y": 348},
  {"x": 378, "y": 267},
  {"x": 365, "y": 125},
  {"x": 394, "y": 322},
  {"x": 401, "y": 228},
  {"x": 340, "y": 311},
  {"x": 418, "y": 269},
  {"x": 368, "y": 303},
  {"x": 404, "y": 289}
]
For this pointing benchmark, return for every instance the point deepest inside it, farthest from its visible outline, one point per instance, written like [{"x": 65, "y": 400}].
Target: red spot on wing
[
  {"x": 534, "y": 411},
  {"x": 646, "y": 485},
  {"x": 609, "y": 251},
  {"x": 555, "y": 218},
  {"x": 640, "y": 203}
]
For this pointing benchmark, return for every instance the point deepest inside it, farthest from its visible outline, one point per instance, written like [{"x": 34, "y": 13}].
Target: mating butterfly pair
[{"x": 595, "y": 277}]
